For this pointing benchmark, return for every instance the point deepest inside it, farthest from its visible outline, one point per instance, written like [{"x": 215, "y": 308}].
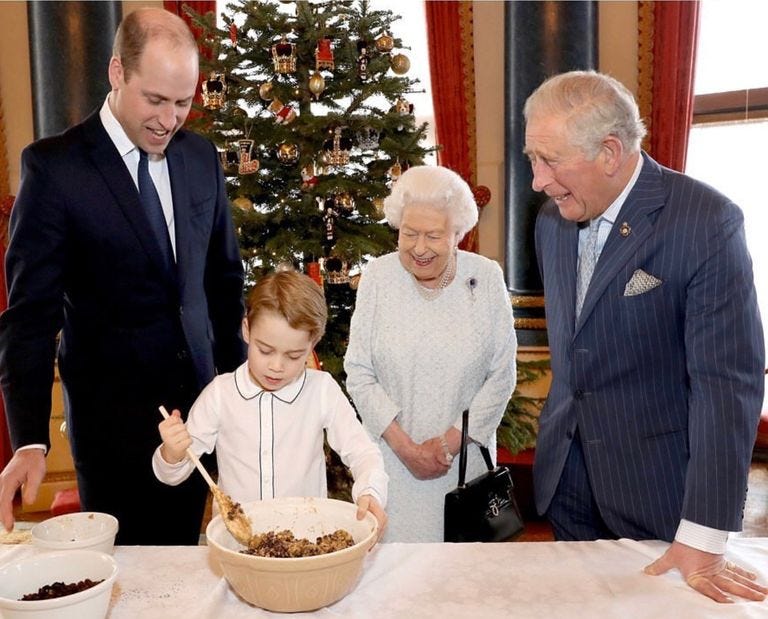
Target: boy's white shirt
[{"x": 270, "y": 444}]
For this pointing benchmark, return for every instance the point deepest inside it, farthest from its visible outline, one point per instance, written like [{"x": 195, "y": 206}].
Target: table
[{"x": 541, "y": 580}]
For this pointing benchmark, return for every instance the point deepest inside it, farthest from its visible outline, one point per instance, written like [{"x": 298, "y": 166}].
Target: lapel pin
[{"x": 624, "y": 229}]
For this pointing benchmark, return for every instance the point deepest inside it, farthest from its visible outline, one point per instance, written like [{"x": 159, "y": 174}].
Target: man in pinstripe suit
[{"x": 655, "y": 338}]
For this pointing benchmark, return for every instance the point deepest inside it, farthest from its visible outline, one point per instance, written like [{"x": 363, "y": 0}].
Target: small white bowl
[
  {"x": 80, "y": 530},
  {"x": 27, "y": 575}
]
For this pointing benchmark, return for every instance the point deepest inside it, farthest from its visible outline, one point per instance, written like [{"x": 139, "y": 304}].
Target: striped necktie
[{"x": 150, "y": 200}]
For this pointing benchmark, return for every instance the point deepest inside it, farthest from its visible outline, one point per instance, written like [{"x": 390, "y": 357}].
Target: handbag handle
[{"x": 463, "y": 450}]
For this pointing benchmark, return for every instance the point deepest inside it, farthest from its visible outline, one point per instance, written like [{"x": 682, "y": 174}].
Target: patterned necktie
[
  {"x": 154, "y": 209},
  {"x": 587, "y": 260}
]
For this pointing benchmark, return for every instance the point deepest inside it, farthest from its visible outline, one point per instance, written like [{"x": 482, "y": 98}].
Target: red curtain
[
  {"x": 199, "y": 6},
  {"x": 452, "y": 71},
  {"x": 667, "y": 47}
]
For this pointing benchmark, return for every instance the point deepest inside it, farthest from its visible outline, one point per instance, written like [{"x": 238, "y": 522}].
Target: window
[{"x": 727, "y": 145}]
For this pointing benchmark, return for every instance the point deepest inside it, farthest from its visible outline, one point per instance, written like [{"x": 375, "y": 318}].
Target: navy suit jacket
[
  {"x": 665, "y": 387},
  {"x": 83, "y": 261}
]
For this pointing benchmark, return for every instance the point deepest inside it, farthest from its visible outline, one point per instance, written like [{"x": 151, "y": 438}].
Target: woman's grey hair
[
  {"x": 437, "y": 187},
  {"x": 595, "y": 105}
]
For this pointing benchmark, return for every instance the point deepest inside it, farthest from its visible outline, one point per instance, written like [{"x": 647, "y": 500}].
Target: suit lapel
[
  {"x": 181, "y": 207},
  {"x": 646, "y": 197},
  {"x": 568, "y": 250},
  {"x": 110, "y": 165}
]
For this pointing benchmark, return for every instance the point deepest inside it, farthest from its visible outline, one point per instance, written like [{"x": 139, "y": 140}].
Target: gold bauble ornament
[
  {"x": 287, "y": 152},
  {"x": 243, "y": 203},
  {"x": 378, "y": 205},
  {"x": 344, "y": 202},
  {"x": 316, "y": 84},
  {"x": 265, "y": 91},
  {"x": 385, "y": 43},
  {"x": 400, "y": 64}
]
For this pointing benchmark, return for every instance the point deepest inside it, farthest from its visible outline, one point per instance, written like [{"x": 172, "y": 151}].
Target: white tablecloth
[{"x": 541, "y": 580}]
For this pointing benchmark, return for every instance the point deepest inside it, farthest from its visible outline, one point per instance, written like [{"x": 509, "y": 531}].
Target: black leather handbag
[{"x": 484, "y": 509}]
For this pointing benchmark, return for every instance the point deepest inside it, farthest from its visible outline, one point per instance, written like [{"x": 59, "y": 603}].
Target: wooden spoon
[{"x": 237, "y": 523}]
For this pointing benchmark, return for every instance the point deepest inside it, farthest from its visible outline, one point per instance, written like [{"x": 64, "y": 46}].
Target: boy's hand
[
  {"x": 175, "y": 437},
  {"x": 367, "y": 503}
]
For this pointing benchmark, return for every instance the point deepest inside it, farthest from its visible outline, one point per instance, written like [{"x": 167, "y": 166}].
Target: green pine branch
[{"x": 278, "y": 214}]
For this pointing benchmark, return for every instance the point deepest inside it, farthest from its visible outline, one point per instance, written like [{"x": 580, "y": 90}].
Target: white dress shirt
[
  {"x": 270, "y": 443},
  {"x": 158, "y": 166}
]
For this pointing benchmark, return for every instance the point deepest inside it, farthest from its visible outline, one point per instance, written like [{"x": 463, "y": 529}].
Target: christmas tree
[{"x": 307, "y": 102}]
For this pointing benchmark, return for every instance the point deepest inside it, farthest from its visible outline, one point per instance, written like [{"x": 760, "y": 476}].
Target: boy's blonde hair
[{"x": 295, "y": 297}]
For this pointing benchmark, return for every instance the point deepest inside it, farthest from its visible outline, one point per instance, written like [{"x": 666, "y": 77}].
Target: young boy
[{"x": 266, "y": 419}]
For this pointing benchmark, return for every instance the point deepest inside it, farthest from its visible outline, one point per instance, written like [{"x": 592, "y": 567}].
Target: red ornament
[
  {"x": 324, "y": 55},
  {"x": 482, "y": 195},
  {"x": 233, "y": 33},
  {"x": 313, "y": 270}
]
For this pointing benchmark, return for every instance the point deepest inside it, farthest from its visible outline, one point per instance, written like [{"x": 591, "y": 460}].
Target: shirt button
[{"x": 578, "y": 394}]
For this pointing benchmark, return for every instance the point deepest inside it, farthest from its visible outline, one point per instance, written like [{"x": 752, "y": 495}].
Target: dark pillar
[
  {"x": 541, "y": 39},
  {"x": 70, "y": 44}
]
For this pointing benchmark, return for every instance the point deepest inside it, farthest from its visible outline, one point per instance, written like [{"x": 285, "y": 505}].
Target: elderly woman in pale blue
[{"x": 431, "y": 336}]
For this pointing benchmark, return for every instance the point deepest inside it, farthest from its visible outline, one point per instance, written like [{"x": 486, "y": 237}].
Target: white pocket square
[{"x": 641, "y": 282}]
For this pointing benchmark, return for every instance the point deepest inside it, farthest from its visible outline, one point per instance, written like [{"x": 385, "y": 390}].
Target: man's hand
[
  {"x": 27, "y": 468},
  {"x": 709, "y": 574}
]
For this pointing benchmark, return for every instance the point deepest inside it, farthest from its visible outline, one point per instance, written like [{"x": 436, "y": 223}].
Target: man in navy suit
[
  {"x": 143, "y": 316},
  {"x": 655, "y": 339}
]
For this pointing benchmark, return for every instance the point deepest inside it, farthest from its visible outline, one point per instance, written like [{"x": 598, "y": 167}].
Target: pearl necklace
[{"x": 432, "y": 293}]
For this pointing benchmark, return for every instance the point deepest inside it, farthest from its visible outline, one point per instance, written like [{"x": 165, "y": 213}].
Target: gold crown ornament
[
  {"x": 337, "y": 149},
  {"x": 214, "y": 91},
  {"x": 284, "y": 56}
]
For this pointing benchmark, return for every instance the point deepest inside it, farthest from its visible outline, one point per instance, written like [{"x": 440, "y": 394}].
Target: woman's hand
[
  {"x": 427, "y": 460},
  {"x": 424, "y": 461},
  {"x": 176, "y": 439}
]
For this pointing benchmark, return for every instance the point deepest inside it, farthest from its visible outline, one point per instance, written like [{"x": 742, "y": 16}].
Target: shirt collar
[
  {"x": 249, "y": 389},
  {"x": 612, "y": 212},
  {"x": 116, "y": 132}
]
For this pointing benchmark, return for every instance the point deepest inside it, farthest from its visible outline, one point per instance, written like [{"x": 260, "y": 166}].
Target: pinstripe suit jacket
[{"x": 666, "y": 386}]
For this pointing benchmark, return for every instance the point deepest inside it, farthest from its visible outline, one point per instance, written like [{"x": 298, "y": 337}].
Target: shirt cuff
[
  {"x": 372, "y": 491},
  {"x": 702, "y": 538},
  {"x": 34, "y": 446}
]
